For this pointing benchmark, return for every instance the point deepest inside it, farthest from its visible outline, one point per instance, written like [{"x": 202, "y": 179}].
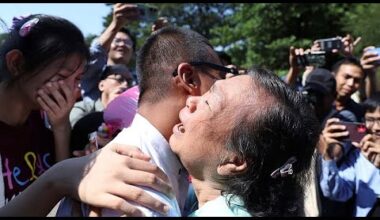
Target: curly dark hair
[{"x": 266, "y": 140}]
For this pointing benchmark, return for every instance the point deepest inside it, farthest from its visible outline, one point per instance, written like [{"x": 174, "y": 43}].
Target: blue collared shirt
[{"x": 355, "y": 175}]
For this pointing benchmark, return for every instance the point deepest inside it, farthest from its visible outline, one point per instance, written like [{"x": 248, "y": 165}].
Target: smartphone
[
  {"x": 377, "y": 51},
  {"x": 315, "y": 58},
  {"x": 328, "y": 44},
  {"x": 356, "y": 131}
]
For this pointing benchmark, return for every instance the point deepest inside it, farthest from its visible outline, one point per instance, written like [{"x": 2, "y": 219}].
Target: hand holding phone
[
  {"x": 330, "y": 44},
  {"x": 377, "y": 52},
  {"x": 124, "y": 13},
  {"x": 356, "y": 131}
]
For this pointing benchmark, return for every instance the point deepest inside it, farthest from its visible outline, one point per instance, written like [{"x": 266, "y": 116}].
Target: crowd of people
[{"x": 204, "y": 137}]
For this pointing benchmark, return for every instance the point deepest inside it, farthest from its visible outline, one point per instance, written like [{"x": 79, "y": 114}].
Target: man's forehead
[
  {"x": 122, "y": 35},
  {"x": 350, "y": 69}
]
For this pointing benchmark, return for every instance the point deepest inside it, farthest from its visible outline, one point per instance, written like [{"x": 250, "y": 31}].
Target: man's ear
[
  {"x": 188, "y": 79},
  {"x": 14, "y": 60},
  {"x": 101, "y": 85},
  {"x": 232, "y": 165}
]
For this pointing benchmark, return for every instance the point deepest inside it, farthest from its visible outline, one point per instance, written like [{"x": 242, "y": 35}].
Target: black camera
[
  {"x": 329, "y": 44},
  {"x": 316, "y": 58}
]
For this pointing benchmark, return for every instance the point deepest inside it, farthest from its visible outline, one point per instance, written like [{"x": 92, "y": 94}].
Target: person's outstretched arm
[
  {"x": 336, "y": 183},
  {"x": 291, "y": 76},
  {"x": 87, "y": 179},
  {"x": 122, "y": 13},
  {"x": 370, "y": 62}
]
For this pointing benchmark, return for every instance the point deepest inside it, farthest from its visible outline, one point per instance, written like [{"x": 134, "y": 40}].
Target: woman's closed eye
[{"x": 208, "y": 104}]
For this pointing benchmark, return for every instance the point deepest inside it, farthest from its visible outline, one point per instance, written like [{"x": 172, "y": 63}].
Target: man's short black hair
[
  {"x": 372, "y": 103},
  {"x": 350, "y": 60},
  {"x": 160, "y": 55}
]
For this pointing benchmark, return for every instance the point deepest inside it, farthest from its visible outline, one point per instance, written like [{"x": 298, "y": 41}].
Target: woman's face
[
  {"x": 68, "y": 70},
  {"x": 199, "y": 140}
]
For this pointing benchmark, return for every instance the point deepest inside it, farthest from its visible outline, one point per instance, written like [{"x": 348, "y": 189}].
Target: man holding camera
[
  {"x": 323, "y": 53},
  {"x": 340, "y": 160},
  {"x": 348, "y": 74}
]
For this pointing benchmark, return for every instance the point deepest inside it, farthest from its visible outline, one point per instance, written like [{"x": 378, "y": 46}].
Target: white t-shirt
[{"x": 144, "y": 135}]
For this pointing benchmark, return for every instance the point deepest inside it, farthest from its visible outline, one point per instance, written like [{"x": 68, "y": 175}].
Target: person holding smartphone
[
  {"x": 370, "y": 144},
  {"x": 357, "y": 176}
]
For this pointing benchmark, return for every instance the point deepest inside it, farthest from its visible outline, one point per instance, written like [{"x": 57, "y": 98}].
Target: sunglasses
[{"x": 222, "y": 69}]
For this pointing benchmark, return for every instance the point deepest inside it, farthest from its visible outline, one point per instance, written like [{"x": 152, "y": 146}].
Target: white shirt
[{"x": 144, "y": 135}]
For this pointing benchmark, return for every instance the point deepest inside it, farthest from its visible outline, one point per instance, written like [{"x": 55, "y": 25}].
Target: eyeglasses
[
  {"x": 121, "y": 80},
  {"x": 222, "y": 69},
  {"x": 371, "y": 121},
  {"x": 127, "y": 42}
]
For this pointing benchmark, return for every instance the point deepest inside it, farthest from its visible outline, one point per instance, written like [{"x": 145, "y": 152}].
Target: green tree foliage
[
  {"x": 200, "y": 17},
  {"x": 3, "y": 31},
  {"x": 363, "y": 20},
  {"x": 89, "y": 38},
  {"x": 2, "y": 38},
  {"x": 261, "y": 33},
  {"x": 197, "y": 16}
]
